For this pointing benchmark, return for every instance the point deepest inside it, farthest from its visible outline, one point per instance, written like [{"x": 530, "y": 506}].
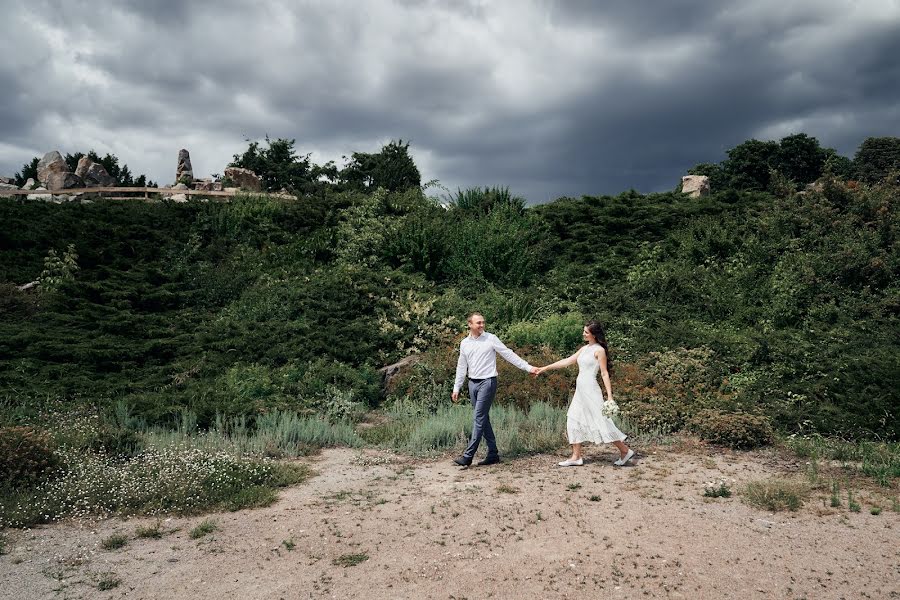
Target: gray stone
[
  {"x": 63, "y": 181},
  {"x": 39, "y": 196},
  {"x": 184, "y": 172},
  {"x": 7, "y": 180},
  {"x": 29, "y": 184},
  {"x": 8, "y": 186},
  {"x": 96, "y": 176},
  {"x": 243, "y": 178},
  {"x": 84, "y": 163},
  {"x": 51, "y": 163},
  {"x": 179, "y": 186},
  {"x": 695, "y": 186}
]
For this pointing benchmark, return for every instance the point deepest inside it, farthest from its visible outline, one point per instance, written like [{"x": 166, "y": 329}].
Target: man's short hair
[{"x": 472, "y": 315}]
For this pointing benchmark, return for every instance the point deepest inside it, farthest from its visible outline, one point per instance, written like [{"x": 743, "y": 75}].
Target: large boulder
[
  {"x": 51, "y": 163},
  {"x": 245, "y": 179},
  {"x": 93, "y": 173},
  {"x": 7, "y": 180},
  {"x": 97, "y": 176},
  {"x": 8, "y": 186},
  {"x": 184, "y": 172},
  {"x": 63, "y": 181},
  {"x": 695, "y": 186}
]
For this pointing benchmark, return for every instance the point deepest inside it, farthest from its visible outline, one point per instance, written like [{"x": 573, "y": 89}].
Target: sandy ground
[{"x": 375, "y": 525}]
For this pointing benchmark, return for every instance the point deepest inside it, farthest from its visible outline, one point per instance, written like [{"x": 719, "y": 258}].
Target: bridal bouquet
[{"x": 610, "y": 408}]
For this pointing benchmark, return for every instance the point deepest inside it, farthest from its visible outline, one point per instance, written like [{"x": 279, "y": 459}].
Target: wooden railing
[{"x": 114, "y": 193}]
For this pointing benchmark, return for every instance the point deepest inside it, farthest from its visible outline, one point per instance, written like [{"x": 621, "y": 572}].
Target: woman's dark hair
[{"x": 599, "y": 334}]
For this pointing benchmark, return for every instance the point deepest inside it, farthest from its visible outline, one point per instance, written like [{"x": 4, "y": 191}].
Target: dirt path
[{"x": 376, "y": 525}]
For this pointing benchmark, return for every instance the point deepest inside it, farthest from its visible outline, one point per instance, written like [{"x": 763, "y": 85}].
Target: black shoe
[
  {"x": 463, "y": 461},
  {"x": 489, "y": 460}
]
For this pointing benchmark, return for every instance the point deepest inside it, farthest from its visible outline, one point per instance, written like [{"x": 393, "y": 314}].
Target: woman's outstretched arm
[{"x": 560, "y": 364}]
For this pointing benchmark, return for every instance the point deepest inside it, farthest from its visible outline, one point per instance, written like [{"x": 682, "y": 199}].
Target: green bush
[
  {"x": 736, "y": 430},
  {"x": 653, "y": 414},
  {"x": 562, "y": 333},
  {"x": 26, "y": 455}
]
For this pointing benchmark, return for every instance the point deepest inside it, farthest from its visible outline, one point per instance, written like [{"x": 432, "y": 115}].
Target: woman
[{"x": 585, "y": 420}]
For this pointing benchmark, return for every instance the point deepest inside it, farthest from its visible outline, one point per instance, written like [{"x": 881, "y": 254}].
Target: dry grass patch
[{"x": 776, "y": 494}]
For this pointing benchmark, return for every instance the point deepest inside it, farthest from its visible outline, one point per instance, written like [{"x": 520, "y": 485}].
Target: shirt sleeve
[
  {"x": 461, "y": 367},
  {"x": 510, "y": 356}
]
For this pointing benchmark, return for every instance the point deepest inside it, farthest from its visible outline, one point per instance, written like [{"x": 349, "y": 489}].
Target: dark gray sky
[{"x": 550, "y": 98}]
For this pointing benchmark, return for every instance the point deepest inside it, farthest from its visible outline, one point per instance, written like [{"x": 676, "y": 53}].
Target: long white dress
[{"x": 585, "y": 420}]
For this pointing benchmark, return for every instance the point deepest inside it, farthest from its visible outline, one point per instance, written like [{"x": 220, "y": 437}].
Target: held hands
[
  {"x": 455, "y": 397},
  {"x": 535, "y": 371}
]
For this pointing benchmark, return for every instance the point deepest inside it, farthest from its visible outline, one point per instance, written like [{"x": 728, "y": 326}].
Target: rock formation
[
  {"x": 244, "y": 179},
  {"x": 94, "y": 174},
  {"x": 695, "y": 186},
  {"x": 63, "y": 181},
  {"x": 184, "y": 173},
  {"x": 51, "y": 163}
]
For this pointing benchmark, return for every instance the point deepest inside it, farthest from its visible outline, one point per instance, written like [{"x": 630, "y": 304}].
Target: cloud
[{"x": 550, "y": 98}]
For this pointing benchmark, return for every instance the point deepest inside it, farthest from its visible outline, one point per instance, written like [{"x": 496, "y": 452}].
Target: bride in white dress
[{"x": 586, "y": 421}]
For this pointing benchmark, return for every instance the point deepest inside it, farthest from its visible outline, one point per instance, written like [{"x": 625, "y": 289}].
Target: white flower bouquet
[{"x": 610, "y": 408}]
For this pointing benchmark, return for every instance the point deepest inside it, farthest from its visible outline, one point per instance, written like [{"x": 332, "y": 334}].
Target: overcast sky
[{"x": 550, "y": 98}]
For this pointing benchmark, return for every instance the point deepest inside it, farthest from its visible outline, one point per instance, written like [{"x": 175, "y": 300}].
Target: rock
[
  {"x": 97, "y": 176},
  {"x": 7, "y": 180},
  {"x": 180, "y": 186},
  {"x": 696, "y": 186},
  {"x": 51, "y": 163},
  {"x": 84, "y": 163},
  {"x": 39, "y": 196},
  {"x": 184, "y": 172},
  {"x": 29, "y": 184},
  {"x": 94, "y": 174},
  {"x": 389, "y": 372},
  {"x": 204, "y": 185},
  {"x": 244, "y": 178},
  {"x": 217, "y": 186},
  {"x": 63, "y": 181},
  {"x": 8, "y": 186},
  {"x": 178, "y": 198}
]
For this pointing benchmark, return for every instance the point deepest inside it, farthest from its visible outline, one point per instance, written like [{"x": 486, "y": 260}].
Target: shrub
[
  {"x": 653, "y": 414},
  {"x": 735, "y": 430},
  {"x": 559, "y": 332},
  {"x": 26, "y": 455}
]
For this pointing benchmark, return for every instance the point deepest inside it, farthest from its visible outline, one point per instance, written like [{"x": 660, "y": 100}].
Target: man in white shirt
[{"x": 478, "y": 357}]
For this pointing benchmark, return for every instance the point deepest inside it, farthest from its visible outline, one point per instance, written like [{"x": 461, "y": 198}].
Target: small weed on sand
[
  {"x": 114, "y": 542},
  {"x": 107, "y": 581},
  {"x": 149, "y": 531},
  {"x": 204, "y": 528},
  {"x": 350, "y": 560}
]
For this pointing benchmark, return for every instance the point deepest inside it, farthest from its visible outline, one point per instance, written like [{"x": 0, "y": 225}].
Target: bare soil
[{"x": 371, "y": 524}]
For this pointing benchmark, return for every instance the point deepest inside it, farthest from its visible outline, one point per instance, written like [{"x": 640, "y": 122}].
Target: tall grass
[
  {"x": 276, "y": 434},
  {"x": 878, "y": 460}
]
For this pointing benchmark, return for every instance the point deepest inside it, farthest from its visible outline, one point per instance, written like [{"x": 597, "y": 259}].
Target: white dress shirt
[{"x": 478, "y": 357}]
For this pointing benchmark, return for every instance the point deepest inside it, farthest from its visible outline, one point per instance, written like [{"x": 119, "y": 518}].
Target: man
[{"x": 478, "y": 357}]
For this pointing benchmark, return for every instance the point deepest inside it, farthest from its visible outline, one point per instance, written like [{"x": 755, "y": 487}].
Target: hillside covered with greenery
[{"x": 783, "y": 307}]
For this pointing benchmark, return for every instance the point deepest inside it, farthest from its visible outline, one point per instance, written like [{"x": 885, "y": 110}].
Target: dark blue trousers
[{"x": 482, "y": 393}]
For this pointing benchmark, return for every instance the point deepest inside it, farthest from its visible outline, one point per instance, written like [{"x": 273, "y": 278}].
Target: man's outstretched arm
[{"x": 511, "y": 357}]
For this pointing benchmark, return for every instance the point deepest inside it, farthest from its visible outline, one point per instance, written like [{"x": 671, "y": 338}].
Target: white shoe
[
  {"x": 572, "y": 463},
  {"x": 624, "y": 460}
]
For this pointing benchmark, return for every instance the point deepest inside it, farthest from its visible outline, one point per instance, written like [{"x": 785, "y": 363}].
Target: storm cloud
[{"x": 550, "y": 98}]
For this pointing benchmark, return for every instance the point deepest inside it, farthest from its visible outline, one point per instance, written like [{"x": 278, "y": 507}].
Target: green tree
[
  {"x": 278, "y": 166},
  {"x": 29, "y": 171},
  {"x": 747, "y": 166},
  {"x": 876, "y": 158},
  {"x": 392, "y": 169},
  {"x": 799, "y": 158}
]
